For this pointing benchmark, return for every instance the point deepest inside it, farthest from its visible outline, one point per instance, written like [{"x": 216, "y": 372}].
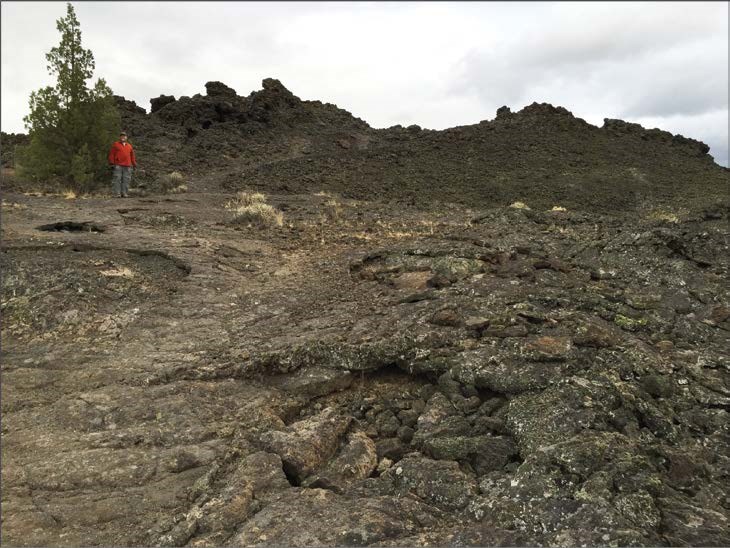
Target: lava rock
[
  {"x": 355, "y": 462},
  {"x": 306, "y": 445},
  {"x": 158, "y": 102},
  {"x": 441, "y": 483}
]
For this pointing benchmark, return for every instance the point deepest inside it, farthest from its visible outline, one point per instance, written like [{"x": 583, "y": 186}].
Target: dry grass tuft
[
  {"x": 663, "y": 215},
  {"x": 172, "y": 183},
  {"x": 251, "y": 208},
  {"x": 258, "y": 213},
  {"x": 519, "y": 205},
  {"x": 333, "y": 210},
  {"x": 244, "y": 199},
  {"x": 250, "y": 198},
  {"x": 13, "y": 205}
]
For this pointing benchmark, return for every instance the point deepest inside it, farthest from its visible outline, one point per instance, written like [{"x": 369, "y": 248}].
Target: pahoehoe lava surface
[{"x": 428, "y": 366}]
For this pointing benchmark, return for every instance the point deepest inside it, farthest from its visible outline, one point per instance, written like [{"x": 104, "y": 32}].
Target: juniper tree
[{"x": 70, "y": 125}]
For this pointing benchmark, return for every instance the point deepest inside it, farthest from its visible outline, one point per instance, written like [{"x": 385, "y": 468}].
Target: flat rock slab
[
  {"x": 318, "y": 517},
  {"x": 311, "y": 382}
]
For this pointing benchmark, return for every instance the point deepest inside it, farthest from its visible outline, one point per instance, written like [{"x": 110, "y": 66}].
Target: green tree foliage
[
  {"x": 70, "y": 125},
  {"x": 81, "y": 167}
]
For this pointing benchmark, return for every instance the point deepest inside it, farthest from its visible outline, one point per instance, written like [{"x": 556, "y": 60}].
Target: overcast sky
[{"x": 429, "y": 63}]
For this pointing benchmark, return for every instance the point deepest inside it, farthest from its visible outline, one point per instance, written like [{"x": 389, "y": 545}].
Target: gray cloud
[
  {"x": 683, "y": 81},
  {"x": 431, "y": 63},
  {"x": 664, "y": 63}
]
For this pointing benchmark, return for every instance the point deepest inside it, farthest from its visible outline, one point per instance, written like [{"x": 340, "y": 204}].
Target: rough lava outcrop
[
  {"x": 272, "y": 140},
  {"x": 431, "y": 366}
]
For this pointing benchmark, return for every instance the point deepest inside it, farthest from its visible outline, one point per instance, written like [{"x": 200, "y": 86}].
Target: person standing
[{"x": 121, "y": 157}]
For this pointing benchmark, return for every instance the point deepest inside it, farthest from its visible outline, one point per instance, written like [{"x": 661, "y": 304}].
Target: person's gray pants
[{"x": 120, "y": 179}]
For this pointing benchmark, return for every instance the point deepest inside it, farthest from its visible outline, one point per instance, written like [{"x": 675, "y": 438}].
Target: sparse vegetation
[
  {"x": 13, "y": 205},
  {"x": 251, "y": 208},
  {"x": 663, "y": 215},
  {"x": 333, "y": 210},
  {"x": 244, "y": 198},
  {"x": 519, "y": 205},
  {"x": 630, "y": 324},
  {"x": 260, "y": 214},
  {"x": 172, "y": 183}
]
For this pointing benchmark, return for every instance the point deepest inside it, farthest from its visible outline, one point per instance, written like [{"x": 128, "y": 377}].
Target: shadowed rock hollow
[{"x": 406, "y": 361}]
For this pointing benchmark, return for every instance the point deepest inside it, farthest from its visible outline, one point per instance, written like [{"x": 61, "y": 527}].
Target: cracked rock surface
[{"x": 543, "y": 378}]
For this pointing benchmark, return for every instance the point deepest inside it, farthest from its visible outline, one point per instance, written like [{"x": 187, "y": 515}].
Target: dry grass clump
[
  {"x": 260, "y": 214},
  {"x": 333, "y": 210},
  {"x": 558, "y": 208},
  {"x": 67, "y": 194},
  {"x": 251, "y": 208},
  {"x": 519, "y": 205},
  {"x": 243, "y": 199},
  {"x": 663, "y": 215},
  {"x": 13, "y": 205},
  {"x": 172, "y": 183}
]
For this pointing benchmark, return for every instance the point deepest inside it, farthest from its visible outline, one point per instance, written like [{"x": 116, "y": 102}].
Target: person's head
[{"x": 123, "y": 137}]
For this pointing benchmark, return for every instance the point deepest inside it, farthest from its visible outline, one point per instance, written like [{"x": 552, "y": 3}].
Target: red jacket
[{"x": 122, "y": 155}]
